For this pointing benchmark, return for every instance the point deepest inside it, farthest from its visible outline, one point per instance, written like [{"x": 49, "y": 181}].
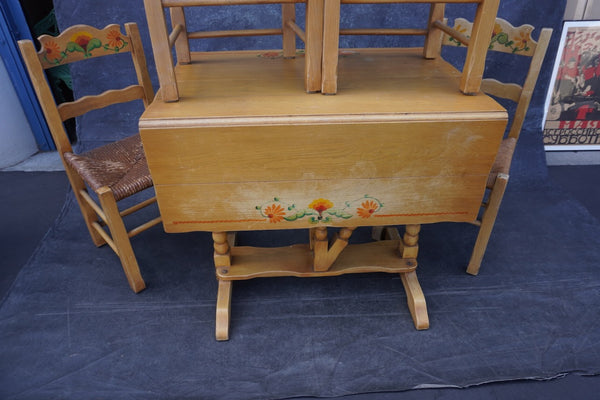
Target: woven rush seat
[
  {"x": 119, "y": 165},
  {"x": 503, "y": 160}
]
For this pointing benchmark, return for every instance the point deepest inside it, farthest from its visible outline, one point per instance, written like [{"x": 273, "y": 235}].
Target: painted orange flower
[
  {"x": 82, "y": 39},
  {"x": 275, "y": 213},
  {"x": 320, "y": 205},
  {"x": 114, "y": 39},
  {"x": 52, "y": 50},
  {"x": 522, "y": 41},
  {"x": 367, "y": 209}
]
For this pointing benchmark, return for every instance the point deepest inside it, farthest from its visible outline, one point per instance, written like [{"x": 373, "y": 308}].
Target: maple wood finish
[
  {"x": 245, "y": 149},
  {"x": 178, "y": 37},
  {"x": 475, "y": 59},
  {"x": 523, "y": 45},
  {"x": 114, "y": 171}
]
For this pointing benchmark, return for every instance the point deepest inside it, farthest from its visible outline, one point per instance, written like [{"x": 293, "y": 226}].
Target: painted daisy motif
[
  {"x": 52, "y": 51},
  {"x": 275, "y": 213},
  {"x": 367, "y": 208},
  {"x": 114, "y": 39}
]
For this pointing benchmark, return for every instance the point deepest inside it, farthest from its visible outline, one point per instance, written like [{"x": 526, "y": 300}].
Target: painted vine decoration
[
  {"x": 83, "y": 42},
  {"x": 319, "y": 210},
  {"x": 516, "y": 44}
]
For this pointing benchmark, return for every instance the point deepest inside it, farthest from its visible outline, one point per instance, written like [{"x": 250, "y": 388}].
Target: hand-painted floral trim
[
  {"x": 319, "y": 210},
  {"x": 83, "y": 42},
  {"x": 499, "y": 37}
]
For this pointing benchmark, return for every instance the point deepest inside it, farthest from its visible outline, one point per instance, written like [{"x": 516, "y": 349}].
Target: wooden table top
[
  {"x": 262, "y": 88},
  {"x": 245, "y": 137}
]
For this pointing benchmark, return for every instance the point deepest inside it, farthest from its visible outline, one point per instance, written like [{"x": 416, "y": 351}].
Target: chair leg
[
  {"x": 487, "y": 223},
  {"x": 121, "y": 239},
  {"x": 88, "y": 213}
]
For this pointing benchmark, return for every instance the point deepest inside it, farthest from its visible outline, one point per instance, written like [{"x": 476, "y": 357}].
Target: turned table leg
[
  {"x": 325, "y": 255},
  {"x": 409, "y": 245}
]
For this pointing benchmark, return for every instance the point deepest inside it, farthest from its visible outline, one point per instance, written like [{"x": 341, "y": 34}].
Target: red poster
[{"x": 572, "y": 119}]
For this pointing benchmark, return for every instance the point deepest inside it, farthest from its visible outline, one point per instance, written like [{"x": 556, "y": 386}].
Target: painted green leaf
[
  {"x": 295, "y": 216},
  {"x": 72, "y": 46},
  {"x": 339, "y": 214},
  {"x": 94, "y": 43}
]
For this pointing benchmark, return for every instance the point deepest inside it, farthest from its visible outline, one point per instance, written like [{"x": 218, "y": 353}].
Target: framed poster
[{"x": 572, "y": 112}]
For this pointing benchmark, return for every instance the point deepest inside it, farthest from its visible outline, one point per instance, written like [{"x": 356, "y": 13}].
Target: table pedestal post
[{"x": 397, "y": 255}]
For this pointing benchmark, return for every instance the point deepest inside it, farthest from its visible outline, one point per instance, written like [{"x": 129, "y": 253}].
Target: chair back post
[
  {"x": 44, "y": 94},
  {"x": 182, "y": 44},
  {"x": 288, "y": 20},
  {"x": 139, "y": 62},
  {"x": 474, "y": 66},
  {"x": 530, "y": 82},
  {"x": 433, "y": 40},
  {"x": 159, "y": 36},
  {"x": 331, "y": 28}
]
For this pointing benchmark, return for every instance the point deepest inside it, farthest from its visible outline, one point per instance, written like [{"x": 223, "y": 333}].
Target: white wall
[
  {"x": 592, "y": 9},
  {"x": 582, "y": 9},
  {"x": 16, "y": 138}
]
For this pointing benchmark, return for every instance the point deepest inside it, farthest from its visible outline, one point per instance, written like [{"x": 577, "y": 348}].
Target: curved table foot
[
  {"x": 223, "y": 310},
  {"x": 415, "y": 299}
]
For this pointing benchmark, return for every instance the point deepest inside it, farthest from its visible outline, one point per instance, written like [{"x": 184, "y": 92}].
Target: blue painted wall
[{"x": 13, "y": 27}]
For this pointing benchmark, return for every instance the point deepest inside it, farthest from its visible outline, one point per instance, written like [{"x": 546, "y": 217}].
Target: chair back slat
[
  {"x": 80, "y": 42},
  {"x": 510, "y": 91},
  {"x": 88, "y": 103},
  {"x": 77, "y": 44},
  {"x": 505, "y": 37}
]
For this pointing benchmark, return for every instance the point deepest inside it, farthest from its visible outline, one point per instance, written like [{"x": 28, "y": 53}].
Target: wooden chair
[
  {"x": 432, "y": 29},
  {"x": 164, "y": 39},
  {"x": 114, "y": 171},
  {"x": 514, "y": 40}
]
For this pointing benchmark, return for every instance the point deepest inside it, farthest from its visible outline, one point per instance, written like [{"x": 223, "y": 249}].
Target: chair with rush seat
[
  {"x": 508, "y": 39},
  {"x": 114, "y": 171},
  {"x": 514, "y": 40}
]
